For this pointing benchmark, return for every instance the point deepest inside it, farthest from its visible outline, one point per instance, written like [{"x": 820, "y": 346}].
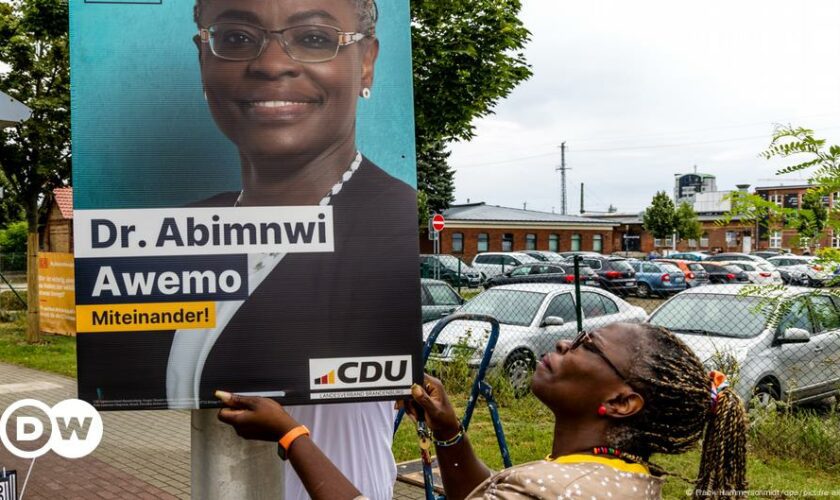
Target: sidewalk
[{"x": 143, "y": 455}]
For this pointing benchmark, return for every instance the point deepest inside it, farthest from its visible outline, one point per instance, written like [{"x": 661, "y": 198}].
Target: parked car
[
  {"x": 766, "y": 254},
  {"x": 545, "y": 255},
  {"x": 493, "y": 263},
  {"x": 724, "y": 274},
  {"x": 759, "y": 273},
  {"x": 793, "y": 277},
  {"x": 814, "y": 273},
  {"x": 784, "y": 346},
  {"x": 532, "y": 317},
  {"x": 450, "y": 269},
  {"x": 695, "y": 274},
  {"x": 657, "y": 278},
  {"x": 438, "y": 299},
  {"x": 733, "y": 256},
  {"x": 694, "y": 256},
  {"x": 614, "y": 273},
  {"x": 560, "y": 273},
  {"x": 584, "y": 253}
]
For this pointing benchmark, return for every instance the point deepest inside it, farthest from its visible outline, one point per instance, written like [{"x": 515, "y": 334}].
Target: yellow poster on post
[{"x": 57, "y": 293}]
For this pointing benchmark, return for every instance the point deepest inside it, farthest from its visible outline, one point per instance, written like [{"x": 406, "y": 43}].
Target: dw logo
[{"x": 75, "y": 428}]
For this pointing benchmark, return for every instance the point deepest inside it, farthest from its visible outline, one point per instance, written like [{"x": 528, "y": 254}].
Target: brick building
[
  {"x": 58, "y": 231},
  {"x": 630, "y": 236},
  {"x": 791, "y": 197},
  {"x": 477, "y": 227}
]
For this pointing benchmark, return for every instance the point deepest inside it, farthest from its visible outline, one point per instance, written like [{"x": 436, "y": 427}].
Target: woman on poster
[{"x": 282, "y": 80}]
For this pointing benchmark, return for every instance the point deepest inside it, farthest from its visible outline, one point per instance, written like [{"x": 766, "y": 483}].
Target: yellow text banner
[{"x": 145, "y": 317}]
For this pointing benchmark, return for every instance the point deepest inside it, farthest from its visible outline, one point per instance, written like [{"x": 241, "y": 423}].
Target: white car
[
  {"x": 532, "y": 317},
  {"x": 495, "y": 263},
  {"x": 784, "y": 344},
  {"x": 812, "y": 273},
  {"x": 759, "y": 273}
]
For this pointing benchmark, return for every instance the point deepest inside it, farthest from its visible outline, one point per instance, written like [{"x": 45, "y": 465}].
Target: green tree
[
  {"x": 435, "y": 178},
  {"x": 808, "y": 154},
  {"x": 422, "y": 210},
  {"x": 13, "y": 238},
  {"x": 687, "y": 225},
  {"x": 468, "y": 55},
  {"x": 660, "y": 218},
  {"x": 35, "y": 155},
  {"x": 813, "y": 216}
]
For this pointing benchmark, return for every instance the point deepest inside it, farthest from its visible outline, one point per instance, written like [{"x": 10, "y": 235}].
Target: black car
[
  {"x": 724, "y": 274},
  {"x": 438, "y": 299},
  {"x": 614, "y": 273},
  {"x": 545, "y": 256},
  {"x": 450, "y": 269},
  {"x": 549, "y": 272}
]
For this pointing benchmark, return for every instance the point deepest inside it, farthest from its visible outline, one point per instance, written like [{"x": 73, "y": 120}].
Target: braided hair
[
  {"x": 678, "y": 410},
  {"x": 367, "y": 11}
]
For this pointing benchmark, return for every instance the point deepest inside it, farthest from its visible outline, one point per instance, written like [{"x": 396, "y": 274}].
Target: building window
[
  {"x": 457, "y": 242},
  {"x": 597, "y": 243},
  {"x": 657, "y": 242},
  {"x": 835, "y": 199},
  {"x": 553, "y": 243},
  {"x": 731, "y": 238},
  {"x": 507, "y": 242},
  {"x": 483, "y": 242},
  {"x": 530, "y": 241},
  {"x": 835, "y": 239},
  {"x": 776, "y": 198},
  {"x": 575, "y": 242},
  {"x": 692, "y": 243},
  {"x": 776, "y": 239},
  {"x": 704, "y": 240}
]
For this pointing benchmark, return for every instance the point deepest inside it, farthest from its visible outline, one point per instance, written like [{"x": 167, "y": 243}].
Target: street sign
[{"x": 438, "y": 223}]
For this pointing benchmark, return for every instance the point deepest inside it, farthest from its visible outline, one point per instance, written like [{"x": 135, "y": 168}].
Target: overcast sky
[{"x": 645, "y": 89}]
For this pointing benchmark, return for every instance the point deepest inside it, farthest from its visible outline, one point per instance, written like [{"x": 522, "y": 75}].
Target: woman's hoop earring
[{"x": 366, "y": 93}]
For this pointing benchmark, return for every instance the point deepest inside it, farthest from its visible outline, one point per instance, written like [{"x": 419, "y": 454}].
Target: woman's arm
[
  {"x": 460, "y": 469},
  {"x": 265, "y": 420}
]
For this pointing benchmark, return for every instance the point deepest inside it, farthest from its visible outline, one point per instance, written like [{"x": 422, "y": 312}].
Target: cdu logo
[{"x": 73, "y": 428}]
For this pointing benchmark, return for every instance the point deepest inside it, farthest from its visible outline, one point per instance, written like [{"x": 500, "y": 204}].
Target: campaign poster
[
  {"x": 245, "y": 201},
  {"x": 57, "y": 293}
]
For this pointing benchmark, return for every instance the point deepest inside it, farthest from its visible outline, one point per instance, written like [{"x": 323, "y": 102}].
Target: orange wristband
[{"x": 289, "y": 438}]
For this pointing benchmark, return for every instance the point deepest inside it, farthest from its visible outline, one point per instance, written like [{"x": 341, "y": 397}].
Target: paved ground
[{"x": 143, "y": 455}]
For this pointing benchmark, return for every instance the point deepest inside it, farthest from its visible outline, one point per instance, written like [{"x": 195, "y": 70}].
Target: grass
[
  {"x": 790, "y": 450},
  {"x": 54, "y": 354}
]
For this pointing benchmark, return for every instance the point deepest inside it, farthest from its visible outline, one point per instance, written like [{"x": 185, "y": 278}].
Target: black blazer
[{"x": 363, "y": 299}]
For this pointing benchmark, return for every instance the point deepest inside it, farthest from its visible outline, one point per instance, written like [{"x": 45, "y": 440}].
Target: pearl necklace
[{"x": 327, "y": 199}]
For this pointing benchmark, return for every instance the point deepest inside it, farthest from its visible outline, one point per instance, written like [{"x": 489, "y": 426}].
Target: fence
[{"x": 779, "y": 345}]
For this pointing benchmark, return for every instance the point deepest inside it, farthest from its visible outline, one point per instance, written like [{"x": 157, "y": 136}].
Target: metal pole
[
  {"x": 226, "y": 466},
  {"x": 578, "y": 310}
]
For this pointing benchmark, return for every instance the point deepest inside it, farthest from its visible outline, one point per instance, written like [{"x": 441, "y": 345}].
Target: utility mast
[{"x": 562, "y": 168}]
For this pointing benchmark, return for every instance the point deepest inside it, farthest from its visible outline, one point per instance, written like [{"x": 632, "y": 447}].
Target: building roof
[
  {"x": 637, "y": 219},
  {"x": 782, "y": 186},
  {"x": 64, "y": 201},
  {"x": 486, "y": 213}
]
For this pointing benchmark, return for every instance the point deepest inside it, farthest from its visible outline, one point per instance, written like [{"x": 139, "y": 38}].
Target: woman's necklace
[
  {"x": 327, "y": 199},
  {"x": 628, "y": 457}
]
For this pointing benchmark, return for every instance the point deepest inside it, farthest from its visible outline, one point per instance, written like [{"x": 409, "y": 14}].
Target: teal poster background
[{"x": 143, "y": 136}]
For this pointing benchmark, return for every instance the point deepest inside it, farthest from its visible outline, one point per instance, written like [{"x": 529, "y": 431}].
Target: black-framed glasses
[
  {"x": 585, "y": 340},
  {"x": 309, "y": 43}
]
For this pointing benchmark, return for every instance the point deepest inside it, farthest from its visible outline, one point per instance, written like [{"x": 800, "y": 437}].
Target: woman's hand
[
  {"x": 440, "y": 416},
  {"x": 256, "y": 418}
]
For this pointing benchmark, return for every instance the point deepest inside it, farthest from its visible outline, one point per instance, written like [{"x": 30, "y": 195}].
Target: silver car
[
  {"x": 532, "y": 317},
  {"x": 805, "y": 269},
  {"x": 783, "y": 344}
]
